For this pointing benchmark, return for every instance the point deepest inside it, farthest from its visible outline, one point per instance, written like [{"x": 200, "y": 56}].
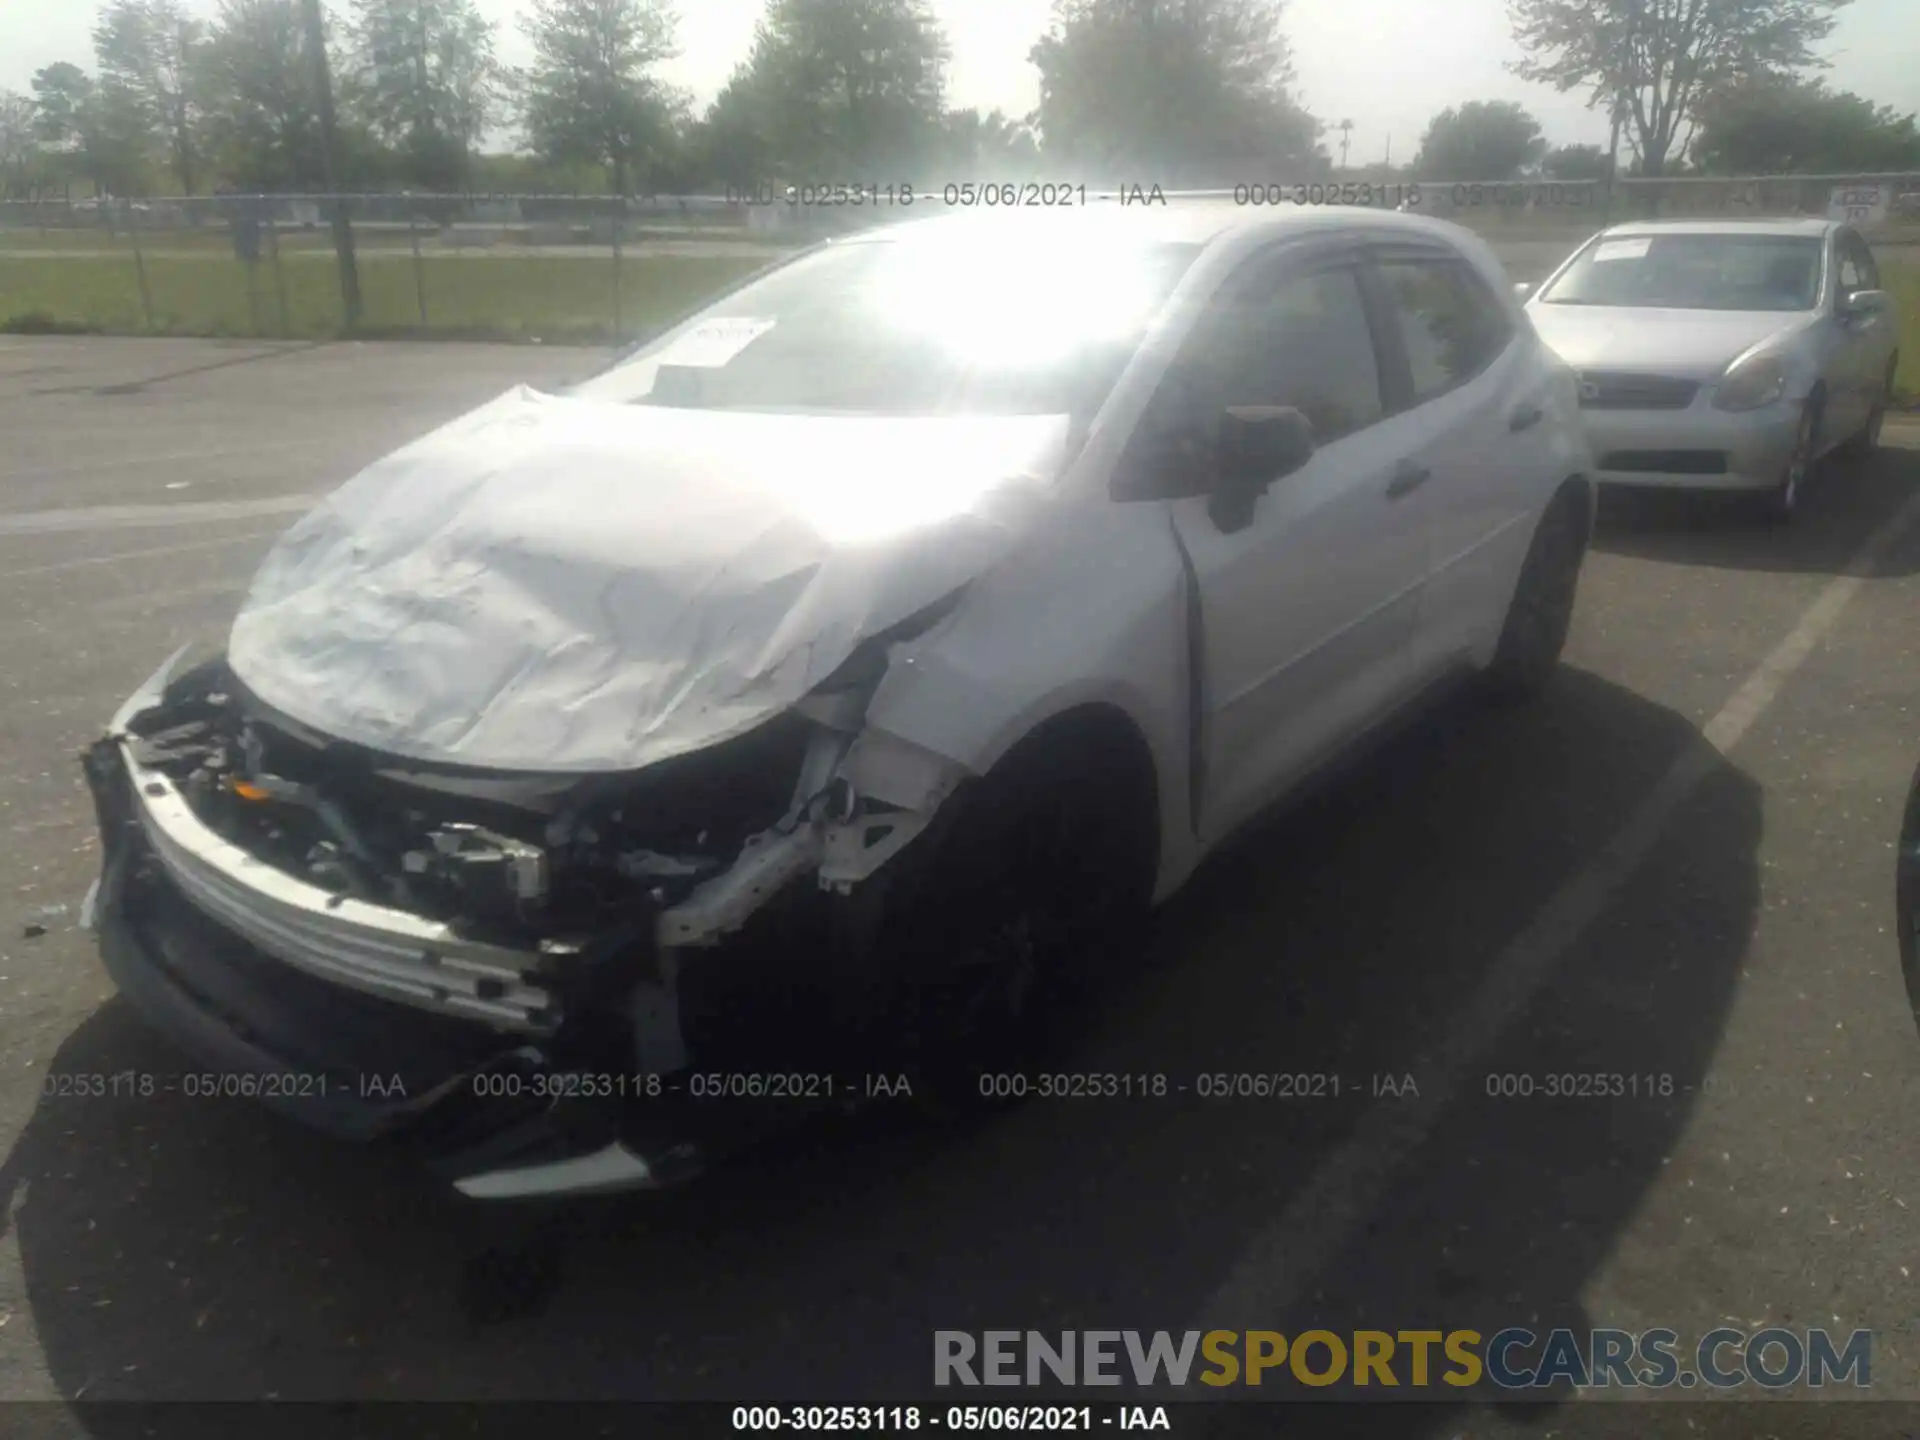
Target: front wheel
[
  {"x": 1036, "y": 884},
  {"x": 1782, "y": 503},
  {"x": 1541, "y": 612}
]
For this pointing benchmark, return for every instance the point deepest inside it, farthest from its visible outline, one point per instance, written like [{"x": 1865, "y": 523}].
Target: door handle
[
  {"x": 1407, "y": 479},
  {"x": 1526, "y": 419}
]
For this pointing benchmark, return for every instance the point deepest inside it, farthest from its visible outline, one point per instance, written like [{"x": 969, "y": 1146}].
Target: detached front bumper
[
  {"x": 500, "y": 1105},
  {"x": 1698, "y": 448}
]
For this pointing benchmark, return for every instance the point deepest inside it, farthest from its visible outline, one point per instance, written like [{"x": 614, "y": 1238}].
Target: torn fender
[{"x": 570, "y": 585}]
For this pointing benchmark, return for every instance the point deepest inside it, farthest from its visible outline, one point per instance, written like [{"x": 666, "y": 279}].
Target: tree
[
  {"x": 989, "y": 145},
  {"x": 1772, "y": 125},
  {"x": 1656, "y": 58},
  {"x": 588, "y": 96},
  {"x": 1480, "y": 140},
  {"x": 1147, "y": 87},
  {"x": 848, "y": 91},
  {"x": 148, "y": 49},
  {"x": 1576, "y": 162},
  {"x": 424, "y": 79},
  {"x": 262, "y": 103},
  {"x": 96, "y": 131},
  {"x": 729, "y": 144},
  {"x": 19, "y": 144}
]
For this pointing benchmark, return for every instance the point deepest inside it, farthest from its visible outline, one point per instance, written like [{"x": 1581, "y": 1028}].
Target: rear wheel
[
  {"x": 1541, "y": 611},
  {"x": 1038, "y": 882},
  {"x": 1864, "y": 442}
]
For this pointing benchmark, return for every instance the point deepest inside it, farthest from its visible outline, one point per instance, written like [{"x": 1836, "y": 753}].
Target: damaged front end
[{"x": 521, "y": 975}]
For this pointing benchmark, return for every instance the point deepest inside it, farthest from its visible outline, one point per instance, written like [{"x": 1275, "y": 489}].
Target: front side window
[
  {"x": 1694, "y": 272},
  {"x": 1300, "y": 341},
  {"x": 1269, "y": 338},
  {"x": 958, "y": 320},
  {"x": 1451, "y": 327},
  {"x": 1857, "y": 270}
]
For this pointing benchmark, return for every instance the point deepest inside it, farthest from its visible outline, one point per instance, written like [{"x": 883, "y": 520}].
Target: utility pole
[
  {"x": 1346, "y": 139},
  {"x": 329, "y": 144},
  {"x": 1613, "y": 162}
]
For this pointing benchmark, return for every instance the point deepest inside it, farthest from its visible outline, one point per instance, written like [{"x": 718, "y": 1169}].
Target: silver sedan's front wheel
[{"x": 1783, "y": 501}]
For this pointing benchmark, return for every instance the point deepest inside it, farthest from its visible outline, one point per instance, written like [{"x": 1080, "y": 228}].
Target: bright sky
[{"x": 1387, "y": 65}]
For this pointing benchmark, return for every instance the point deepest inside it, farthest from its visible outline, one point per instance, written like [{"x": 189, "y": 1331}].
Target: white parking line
[
  {"x": 1276, "y": 1266},
  {"x": 120, "y": 517},
  {"x": 128, "y": 462},
  {"x": 119, "y": 555}
]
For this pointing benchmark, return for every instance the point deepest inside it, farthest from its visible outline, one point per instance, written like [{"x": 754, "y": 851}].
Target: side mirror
[
  {"x": 1259, "y": 444},
  {"x": 1523, "y": 291},
  {"x": 1864, "y": 302}
]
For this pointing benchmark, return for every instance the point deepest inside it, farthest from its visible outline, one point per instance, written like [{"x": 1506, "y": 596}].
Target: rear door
[{"x": 1472, "y": 384}]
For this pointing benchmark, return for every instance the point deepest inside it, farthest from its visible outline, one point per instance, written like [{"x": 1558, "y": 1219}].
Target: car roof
[
  {"x": 1179, "y": 221},
  {"x": 1781, "y": 225}
]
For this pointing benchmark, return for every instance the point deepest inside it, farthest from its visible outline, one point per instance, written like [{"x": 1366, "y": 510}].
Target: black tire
[
  {"x": 1780, "y": 505},
  {"x": 1907, "y": 897},
  {"x": 1863, "y": 442},
  {"x": 1035, "y": 881},
  {"x": 1541, "y": 611}
]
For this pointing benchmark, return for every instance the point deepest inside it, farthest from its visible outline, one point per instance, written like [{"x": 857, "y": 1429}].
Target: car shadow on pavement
[
  {"x": 1841, "y": 507},
  {"x": 199, "y": 1249}
]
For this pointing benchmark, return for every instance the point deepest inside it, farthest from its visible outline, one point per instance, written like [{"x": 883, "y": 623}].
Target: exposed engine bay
[
  {"x": 524, "y": 899},
  {"x": 514, "y": 859}
]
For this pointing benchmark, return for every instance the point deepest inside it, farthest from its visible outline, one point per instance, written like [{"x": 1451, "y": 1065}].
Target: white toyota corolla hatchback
[{"x": 790, "y": 711}]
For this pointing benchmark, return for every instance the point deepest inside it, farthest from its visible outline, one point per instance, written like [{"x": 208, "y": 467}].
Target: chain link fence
[
  {"x": 603, "y": 270},
  {"x": 308, "y": 266}
]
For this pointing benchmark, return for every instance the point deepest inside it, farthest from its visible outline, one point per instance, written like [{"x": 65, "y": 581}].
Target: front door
[{"x": 1307, "y": 613}]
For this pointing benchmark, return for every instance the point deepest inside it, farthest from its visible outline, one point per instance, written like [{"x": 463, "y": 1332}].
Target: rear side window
[{"x": 1451, "y": 326}]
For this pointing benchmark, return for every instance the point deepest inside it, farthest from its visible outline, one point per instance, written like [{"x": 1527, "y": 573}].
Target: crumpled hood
[
  {"x": 561, "y": 584},
  {"x": 1686, "y": 344}
]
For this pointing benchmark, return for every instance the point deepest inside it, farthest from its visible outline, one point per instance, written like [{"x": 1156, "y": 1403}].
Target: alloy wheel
[{"x": 1786, "y": 499}]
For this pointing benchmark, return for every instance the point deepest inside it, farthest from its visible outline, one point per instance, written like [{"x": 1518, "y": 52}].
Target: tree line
[{"x": 1190, "y": 92}]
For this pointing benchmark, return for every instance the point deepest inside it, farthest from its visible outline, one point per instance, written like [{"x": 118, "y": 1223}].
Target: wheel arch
[{"x": 1081, "y": 724}]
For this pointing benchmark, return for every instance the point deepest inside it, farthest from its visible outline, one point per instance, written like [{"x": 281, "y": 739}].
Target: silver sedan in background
[{"x": 1724, "y": 355}]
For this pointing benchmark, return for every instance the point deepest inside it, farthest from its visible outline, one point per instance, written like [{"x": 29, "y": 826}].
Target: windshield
[
  {"x": 1695, "y": 272},
  {"x": 1019, "y": 322}
]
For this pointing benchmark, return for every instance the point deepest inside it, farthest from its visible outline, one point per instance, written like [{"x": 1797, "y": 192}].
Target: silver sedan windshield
[{"x": 1694, "y": 272}]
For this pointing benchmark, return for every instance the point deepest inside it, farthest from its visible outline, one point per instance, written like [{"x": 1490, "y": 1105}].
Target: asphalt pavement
[{"x": 1678, "y": 863}]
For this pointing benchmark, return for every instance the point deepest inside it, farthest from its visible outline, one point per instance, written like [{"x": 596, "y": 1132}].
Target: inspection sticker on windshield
[
  {"x": 1622, "y": 249},
  {"x": 712, "y": 343}
]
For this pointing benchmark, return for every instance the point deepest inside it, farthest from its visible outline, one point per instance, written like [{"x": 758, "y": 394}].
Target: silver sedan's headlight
[{"x": 1752, "y": 383}]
